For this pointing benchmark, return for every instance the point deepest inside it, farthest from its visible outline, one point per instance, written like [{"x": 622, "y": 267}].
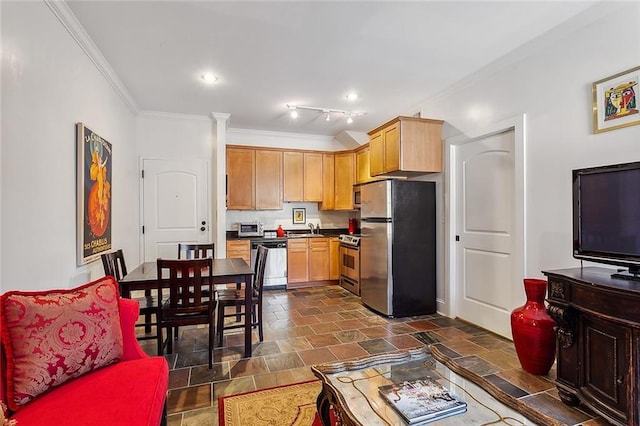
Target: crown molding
[
  {"x": 173, "y": 115},
  {"x": 66, "y": 17},
  {"x": 279, "y": 134}
]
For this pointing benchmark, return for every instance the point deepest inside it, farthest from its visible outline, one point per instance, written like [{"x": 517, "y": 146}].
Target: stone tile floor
[{"x": 325, "y": 324}]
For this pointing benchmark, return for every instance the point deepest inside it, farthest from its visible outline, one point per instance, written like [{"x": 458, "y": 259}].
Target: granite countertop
[{"x": 328, "y": 233}]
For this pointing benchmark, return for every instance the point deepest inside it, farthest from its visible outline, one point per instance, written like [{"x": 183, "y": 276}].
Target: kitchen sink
[{"x": 304, "y": 235}]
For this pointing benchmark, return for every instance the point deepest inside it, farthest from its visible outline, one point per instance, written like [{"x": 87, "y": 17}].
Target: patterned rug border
[
  {"x": 221, "y": 399},
  {"x": 493, "y": 390}
]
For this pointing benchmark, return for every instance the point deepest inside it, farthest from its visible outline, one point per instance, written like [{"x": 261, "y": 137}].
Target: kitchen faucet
[{"x": 311, "y": 227}]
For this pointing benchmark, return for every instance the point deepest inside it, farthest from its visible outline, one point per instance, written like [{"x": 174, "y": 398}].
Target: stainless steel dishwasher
[{"x": 275, "y": 273}]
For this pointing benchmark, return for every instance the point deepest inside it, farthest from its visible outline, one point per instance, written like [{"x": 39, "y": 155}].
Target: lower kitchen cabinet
[
  {"x": 334, "y": 258},
  {"x": 297, "y": 260},
  {"x": 239, "y": 249},
  {"x": 318, "y": 259},
  {"x": 310, "y": 259}
]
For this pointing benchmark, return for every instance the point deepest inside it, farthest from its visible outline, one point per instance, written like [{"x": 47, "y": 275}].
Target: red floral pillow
[{"x": 54, "y": 336}]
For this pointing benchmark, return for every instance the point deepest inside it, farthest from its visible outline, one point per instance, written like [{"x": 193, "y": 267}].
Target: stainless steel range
[{"x": 350, "y": 263}]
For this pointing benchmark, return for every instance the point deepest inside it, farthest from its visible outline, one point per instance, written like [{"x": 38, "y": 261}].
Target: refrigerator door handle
[{"x": 376, "y": 219}]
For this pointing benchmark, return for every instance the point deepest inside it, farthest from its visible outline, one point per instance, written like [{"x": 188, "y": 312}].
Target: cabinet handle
[{"x": 620, "y": 380}]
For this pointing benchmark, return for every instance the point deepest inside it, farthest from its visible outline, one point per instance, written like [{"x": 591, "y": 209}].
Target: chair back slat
[{"x": 196, "y": 251}]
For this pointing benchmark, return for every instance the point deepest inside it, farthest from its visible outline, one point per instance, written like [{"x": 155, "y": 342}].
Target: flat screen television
[{"x": 606, "y": 216}]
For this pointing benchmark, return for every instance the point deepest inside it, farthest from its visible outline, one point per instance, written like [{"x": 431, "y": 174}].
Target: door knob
[{"x": 202, "y": 228}]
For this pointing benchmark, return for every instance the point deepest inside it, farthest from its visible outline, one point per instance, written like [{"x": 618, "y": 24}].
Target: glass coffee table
[{"x": 351, "y": 389}]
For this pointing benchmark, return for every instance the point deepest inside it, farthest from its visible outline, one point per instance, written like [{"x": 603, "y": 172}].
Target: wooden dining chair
[
  {"x": 236, "y": 298},
  {"x": 186, "y": 304},
  {"x": 196, "y": 251},
  {"x": 114, "y": 265}
]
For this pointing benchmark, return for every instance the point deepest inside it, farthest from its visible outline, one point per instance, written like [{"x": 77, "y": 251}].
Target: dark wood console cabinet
[{"x": 597, "y": 334}]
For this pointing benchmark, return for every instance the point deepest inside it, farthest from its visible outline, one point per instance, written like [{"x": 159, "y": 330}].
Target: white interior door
[
  {"x": 175, "y": 206},
  {"x": 485, "y": 223}
]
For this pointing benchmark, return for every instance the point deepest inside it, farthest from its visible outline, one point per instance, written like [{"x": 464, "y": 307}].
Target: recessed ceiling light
[
  {"x": 209, "y": 78},
  {"x": 352, "y": 96}
]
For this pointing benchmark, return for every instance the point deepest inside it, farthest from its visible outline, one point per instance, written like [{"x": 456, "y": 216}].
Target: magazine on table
[{"x": 422, "y": 400}]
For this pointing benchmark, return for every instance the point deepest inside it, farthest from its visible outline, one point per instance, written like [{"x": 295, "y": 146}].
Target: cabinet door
[
  {"x": 334, "y": 258},
  {"x": 606, "y": 363},
  {"x": 297, "y": 260},
  {"x": 391, "y": 138},
  {"x": 312, "y": 176},
  {"x": 344, "y": 176},
  {"x": 329, "y": 182},
  {"x": 239, "y": 249},
  {"x": 268, "y": 181},
  {"x": 240, "y": 179},
  {"x": 318, "y": 259},
  {"x": 293, "y": 165},
  {"x": 376, "y": 154},
  {"x": 362, "y": 166}
]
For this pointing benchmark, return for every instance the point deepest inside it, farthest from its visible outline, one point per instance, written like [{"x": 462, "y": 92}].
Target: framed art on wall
[
  {"x": 93, "y": 199},
  {"x": 615, "y": 101},
  {"x": 299, "y": 216}
]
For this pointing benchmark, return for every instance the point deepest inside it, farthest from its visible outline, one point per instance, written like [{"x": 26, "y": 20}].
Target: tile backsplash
[{"x": 284, "y": 217}]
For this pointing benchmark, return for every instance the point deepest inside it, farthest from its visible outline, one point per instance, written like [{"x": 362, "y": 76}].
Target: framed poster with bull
[{"x": 95, "y": 166}]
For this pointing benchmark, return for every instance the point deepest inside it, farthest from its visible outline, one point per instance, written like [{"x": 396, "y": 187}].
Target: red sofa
[{"x": 129, "y": 392}]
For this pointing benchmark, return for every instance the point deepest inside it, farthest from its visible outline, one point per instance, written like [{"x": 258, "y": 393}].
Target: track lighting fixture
[{"x": 327, "y": 111}]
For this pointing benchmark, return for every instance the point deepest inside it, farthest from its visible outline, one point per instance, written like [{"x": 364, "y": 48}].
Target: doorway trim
[{"x": 518, "y": 125}]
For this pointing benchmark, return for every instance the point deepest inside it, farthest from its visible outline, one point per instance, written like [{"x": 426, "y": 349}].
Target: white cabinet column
[{"x": 218, "y": 182}]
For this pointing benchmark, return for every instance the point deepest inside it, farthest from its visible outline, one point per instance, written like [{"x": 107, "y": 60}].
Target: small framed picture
[
  {"x": 615, "y": 101},
  {"x": 299, "y": 216}
]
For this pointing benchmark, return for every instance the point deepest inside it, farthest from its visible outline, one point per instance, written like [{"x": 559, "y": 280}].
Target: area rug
[{"x": 293, "y": 405}]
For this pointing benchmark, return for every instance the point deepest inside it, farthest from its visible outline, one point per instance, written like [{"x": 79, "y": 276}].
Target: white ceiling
[{"x": 268, "y": 54}]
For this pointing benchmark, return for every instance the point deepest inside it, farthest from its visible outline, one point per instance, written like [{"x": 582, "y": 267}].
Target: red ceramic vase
[{"x": 532, "y": 330}]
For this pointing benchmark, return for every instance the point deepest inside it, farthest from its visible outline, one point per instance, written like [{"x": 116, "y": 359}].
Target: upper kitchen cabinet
[
  {"x": 268, "y": 180},
  {"x": 344, "y": 180},
  {"x": 406, "y": 146},
  {"x": 363, "y": 172},
  {"x": 254, "y": 179},
  {"x": 302, "y": 176},
  {"x": 328, "y": 182},
  {"x": 338, "y": 178},
  {"x": 241, "y": 166},
  {"x": 312, "y": 176}
]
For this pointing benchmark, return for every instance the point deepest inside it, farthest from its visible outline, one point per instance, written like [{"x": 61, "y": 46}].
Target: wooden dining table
[{"x": 224, "y": 271}]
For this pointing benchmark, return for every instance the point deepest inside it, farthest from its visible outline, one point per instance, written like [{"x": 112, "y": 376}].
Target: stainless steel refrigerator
[{"x": 398, "y": 247}]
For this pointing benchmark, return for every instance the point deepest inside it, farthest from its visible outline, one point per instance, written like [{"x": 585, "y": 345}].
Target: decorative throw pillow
[{"x": 54, "y": 336}]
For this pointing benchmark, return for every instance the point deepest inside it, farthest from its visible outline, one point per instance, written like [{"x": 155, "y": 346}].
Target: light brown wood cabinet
[
  {"x": 297, "y": 260},
  {"x": 344, "y": 180},
  {"x": 406, "y": 146},
  {"x": 312, "y": 176},
  {"x": 293, "y": 169},
  {"x": 338, "y": 179},
  {"x": 363, "y": 173},
  {"x": 312, "y": 259},
  {"x": 318, "y": 259},
  {"x": 328, "y": 182},
  {"x": 302, "y": 176},
  {"x": 334, "y": 258},
  {"x": 254, "y": 179},
  {"x": 239, "y": 249},
  {"x": 240, "y": 178},
  {"x": 268, "y": 180}
]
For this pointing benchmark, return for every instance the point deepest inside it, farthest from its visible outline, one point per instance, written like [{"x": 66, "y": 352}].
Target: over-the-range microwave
[
  {"x": 356, "y": 196},
  {"x": 250, "y": 229}
]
